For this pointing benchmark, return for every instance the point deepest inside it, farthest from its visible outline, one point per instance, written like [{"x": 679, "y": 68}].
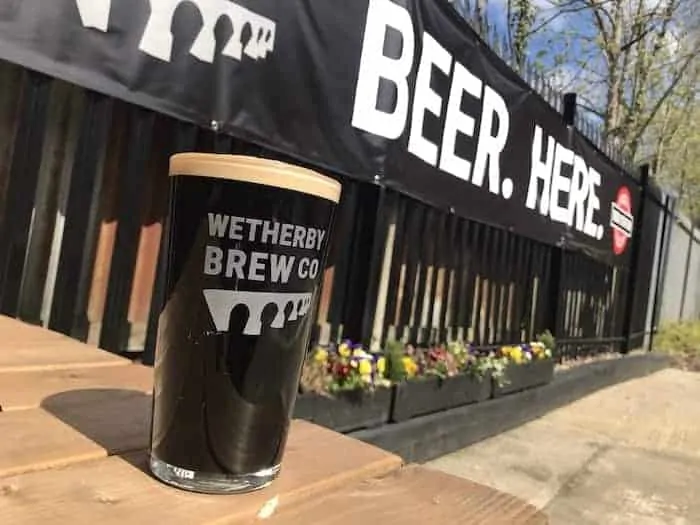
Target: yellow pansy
[
  {"x": 321, "y": 355},
  {"x": 344, "y": 350},
  {"x": 381, "y": 365},
  {"x": 359, "y": 353},
  {"x": 410, "y": 366},
  {"x": 365, "y": 367},
  {"x": 514, "y": 353}
]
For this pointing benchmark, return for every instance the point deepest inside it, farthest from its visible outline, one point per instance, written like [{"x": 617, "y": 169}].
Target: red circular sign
[{"x": 624, "y": 202}]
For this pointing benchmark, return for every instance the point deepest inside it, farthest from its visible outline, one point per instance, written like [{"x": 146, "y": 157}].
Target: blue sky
[{"x": 563, "y": 37}]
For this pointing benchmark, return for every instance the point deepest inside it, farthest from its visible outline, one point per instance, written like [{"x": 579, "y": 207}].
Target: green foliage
[
  {"x": 395, "y": 367},
  {"x": 682, "y": 342},
  {"x": 547, "y": 339},
  {"x": 490, "y": 364}
]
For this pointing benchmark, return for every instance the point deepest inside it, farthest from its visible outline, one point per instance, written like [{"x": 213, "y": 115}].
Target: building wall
[{"x": 681, "y": 287}]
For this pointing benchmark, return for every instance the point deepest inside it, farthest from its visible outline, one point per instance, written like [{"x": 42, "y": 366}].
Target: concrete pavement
[{"x": 629, "y": 454}]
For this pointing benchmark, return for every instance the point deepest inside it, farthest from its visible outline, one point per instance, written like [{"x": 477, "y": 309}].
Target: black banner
[{"x": 400, "y": 89}]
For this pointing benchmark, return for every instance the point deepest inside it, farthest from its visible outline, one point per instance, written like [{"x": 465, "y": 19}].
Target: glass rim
[{"x": 256, "y": 170}]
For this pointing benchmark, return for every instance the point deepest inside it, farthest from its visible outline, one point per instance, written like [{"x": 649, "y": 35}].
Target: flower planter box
[
  {"x": 427, "y": 395},
  {"x": 522, "y": 377},
  {"x": 347, "y": 411}
]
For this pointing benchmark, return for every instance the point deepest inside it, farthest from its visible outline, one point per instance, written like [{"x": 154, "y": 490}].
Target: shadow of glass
[{"x": 118, "y": 420}]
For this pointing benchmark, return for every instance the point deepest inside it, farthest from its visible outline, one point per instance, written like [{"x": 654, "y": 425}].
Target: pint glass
[{"x": 246, "y": 247}]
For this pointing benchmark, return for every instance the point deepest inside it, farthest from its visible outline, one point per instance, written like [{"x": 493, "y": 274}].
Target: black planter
[
  {"x": 346, "y": 411},
  {"x": 522, "y": 377},
  {"x": 428, "y": 395}
]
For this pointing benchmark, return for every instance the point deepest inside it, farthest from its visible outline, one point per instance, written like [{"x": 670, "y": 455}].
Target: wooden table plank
[
  {"x": 67, "y": 406},
  {"x": 117, "y": 490},
  {"x": 61, "y": 433},
  {"x": 24, "y": 347},
  {"x": 413, "y": 495},
  {"x": 25, "y": 390}
]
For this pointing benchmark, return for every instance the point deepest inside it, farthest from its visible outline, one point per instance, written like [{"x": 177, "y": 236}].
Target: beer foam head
[{"x": 256, "y": 171}]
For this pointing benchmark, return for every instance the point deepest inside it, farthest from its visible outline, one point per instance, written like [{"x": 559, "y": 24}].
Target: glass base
[{"x": 208, "y": 483}]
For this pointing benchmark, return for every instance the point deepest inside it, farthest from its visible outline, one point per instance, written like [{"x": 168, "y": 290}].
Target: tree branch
[{"x": 660, "y": 101}]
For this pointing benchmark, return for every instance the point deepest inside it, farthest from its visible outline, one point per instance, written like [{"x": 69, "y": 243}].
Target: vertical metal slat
[
  {"x": 21, "y": 190},
  {"x": 427, "y": 242},
  {"x": 74, "y": 273},
  {"x": 438, "y": 261},
  {"x": 401, "y": 241},
  {"x": 115, "y": 325},
  {"x": 340, "y": 250}
]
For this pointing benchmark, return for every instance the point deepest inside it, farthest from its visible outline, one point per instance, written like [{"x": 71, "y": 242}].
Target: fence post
[
  {"x": 688, "y": 261},
  {"x": 15, "y": 230},
  {"x": 554, "y": 318},
  {"x": 367, "y": 253},
  {"x": 71, "y": 290},
  {"x": 637, "y": 233},
  {"x": 662, "y": 264}
]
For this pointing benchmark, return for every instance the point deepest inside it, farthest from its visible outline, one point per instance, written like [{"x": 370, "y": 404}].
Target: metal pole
[
  {"x": 691, "y": 238},
  {"x": 634, "y": 258},
  {"x": 662, "y": 263}
]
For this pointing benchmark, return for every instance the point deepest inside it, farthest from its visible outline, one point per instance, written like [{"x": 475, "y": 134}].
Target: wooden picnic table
[{"x": 74, "y": 427}]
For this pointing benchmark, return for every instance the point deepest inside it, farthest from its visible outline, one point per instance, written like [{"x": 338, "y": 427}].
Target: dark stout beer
[{"x": 246, "y": 247}]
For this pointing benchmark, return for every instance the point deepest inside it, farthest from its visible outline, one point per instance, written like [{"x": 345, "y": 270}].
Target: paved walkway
[{"x": 629, "y": 454}]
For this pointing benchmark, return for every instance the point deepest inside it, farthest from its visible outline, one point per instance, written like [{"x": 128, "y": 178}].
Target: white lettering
[
  {"x": 313, "y": 268},
  {"x": 236, "y": 231},
  {"x": 280, "y": 267},
  {"x": 213, "y": 259},
  {"x": 591, "y": 228},
  {"x": 319, "y": 239},
  {"x": 286, "y": 235},
  {"x": 299, "y": 234},
  {"x": 234, "y": 264},
  {"x": 256, "y": 271},
  {"x": 310, "y": 239},
  {"x": 560, "y": 184},
  {"x": 463, "y": 81},
  {"x": 579, "y": 193},
  {"x": 303, "y": 269},
  {"x": 254, "y": 223},
  {"x": 308, "y": 268},
  {"x": 540, "y": 171},
  {"x": 580, "y": 188},
  {"x": 217, "y": 225},
  {"x": 375, "y": 66},
  {"x": 490, "y": 147},
  {"x": 426, "y": 99},
  {"x": 270, "y": 232}
]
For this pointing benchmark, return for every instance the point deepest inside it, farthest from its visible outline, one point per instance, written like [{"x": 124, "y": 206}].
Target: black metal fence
[{"x": 83, "y": 184}]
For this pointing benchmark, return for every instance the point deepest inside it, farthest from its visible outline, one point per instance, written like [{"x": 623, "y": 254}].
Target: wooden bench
[{"x": 74, "y": 432}]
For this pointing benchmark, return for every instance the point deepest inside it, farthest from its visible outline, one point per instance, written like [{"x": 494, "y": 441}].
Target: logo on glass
[{"x": 222, "y": 302}]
